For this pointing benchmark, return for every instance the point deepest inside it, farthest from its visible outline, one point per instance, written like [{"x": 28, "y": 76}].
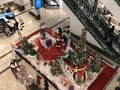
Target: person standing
[
  {"x": 38, "y": 79},
  {"x": 46, "y": 84},
  {"x": 16, "y": 25}
]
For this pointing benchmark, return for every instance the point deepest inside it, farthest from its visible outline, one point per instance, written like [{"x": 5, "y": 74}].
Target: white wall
[{"x": 75, "y": 25}]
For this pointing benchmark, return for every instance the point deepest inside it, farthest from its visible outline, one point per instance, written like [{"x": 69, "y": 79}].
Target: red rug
[
  {"x": 49, "y": 54},
  {"x": 103, "y": 79}
]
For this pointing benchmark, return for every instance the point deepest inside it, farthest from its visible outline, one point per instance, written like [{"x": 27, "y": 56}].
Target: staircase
[{"x": 83, "y": 12}]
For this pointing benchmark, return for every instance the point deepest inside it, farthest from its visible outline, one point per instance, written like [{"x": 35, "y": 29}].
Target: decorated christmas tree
[
  {"x": 56, "y": 68},
  {"x": 95, "y": 64},
  {"x": 80, "y": 62},
  {"x": 78, "y": 57},
  {"x": 25, "y": 45}
]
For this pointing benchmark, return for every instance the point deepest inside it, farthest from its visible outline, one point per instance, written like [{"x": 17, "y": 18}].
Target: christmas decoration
[
  {"x": 25, "y": 45},
  {"x": 77, "y": 60},
  {"x": 64, "y": 82},
  {"x": 56, "y": 68},
  {"x": 28, "y": 47},
  {"x": 78, "y": 56},
  {"x": 32, "y": 52},
  {"x": 95, "y": 64},
  {"x": 81, "y": 76}
]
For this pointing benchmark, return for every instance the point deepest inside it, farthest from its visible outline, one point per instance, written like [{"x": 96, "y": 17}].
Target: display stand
[
  {"x": 61, "y": 82},
  {"x": 21, "y": 74}
]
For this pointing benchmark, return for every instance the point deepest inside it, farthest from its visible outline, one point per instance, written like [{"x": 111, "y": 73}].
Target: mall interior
[{"x": 59, "y": 45}]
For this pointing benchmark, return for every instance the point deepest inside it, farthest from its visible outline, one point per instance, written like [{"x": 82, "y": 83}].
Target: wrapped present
[
  {"x": 38, "y": 62},
  {"x": 48, "y": 43}
]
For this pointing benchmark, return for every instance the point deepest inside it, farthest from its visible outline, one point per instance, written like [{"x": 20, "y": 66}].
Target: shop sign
[
  {"x": 6, "y": 15},
  {"x": 38, "y": 4}
]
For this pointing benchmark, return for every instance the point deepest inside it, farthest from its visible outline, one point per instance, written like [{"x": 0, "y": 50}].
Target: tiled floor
[
  {"x": 9, "y": 82},
  {"x": 31, "y": 24},
  {"x": 51, "y": 17}
]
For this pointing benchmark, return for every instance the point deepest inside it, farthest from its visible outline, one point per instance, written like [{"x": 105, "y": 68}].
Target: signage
[
  {"x": 6, "y": 15},
  {"x": 2, "y": 16},
  {"x": 9, "y": 14},
  {"x": 38, "y": 4}
]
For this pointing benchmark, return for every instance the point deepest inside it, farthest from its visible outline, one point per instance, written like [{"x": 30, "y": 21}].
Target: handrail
[{"x": 59, "y": 22}]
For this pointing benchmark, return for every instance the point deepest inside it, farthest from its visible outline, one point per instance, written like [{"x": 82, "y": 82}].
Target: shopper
[
  {"x": 46, "y": 84},
  {"x": 38, "y": 79},
  {"x": 16, "y": 25},
  {"x": 64, "y": 40},
  {"x": 59, "y": 31},
  {"x": 58, "y": 42}
]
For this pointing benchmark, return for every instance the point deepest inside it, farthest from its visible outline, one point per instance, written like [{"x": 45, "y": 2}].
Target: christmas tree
[
  {"x": 78, "y": 57},
  {"x": 25, "y": 45},
  {"x": 95, "y": 64},
  {"x": 56, "y": 68}
]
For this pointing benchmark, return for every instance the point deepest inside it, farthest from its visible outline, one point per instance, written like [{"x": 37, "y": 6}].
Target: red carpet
[
  {"x": 103, "y": 79},
  {"x": 54, "y": 52},
  {"x": 49, "y": 54}
]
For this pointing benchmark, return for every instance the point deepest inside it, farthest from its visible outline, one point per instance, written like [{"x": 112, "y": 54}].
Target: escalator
[{"x": 93, "y": 24}]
